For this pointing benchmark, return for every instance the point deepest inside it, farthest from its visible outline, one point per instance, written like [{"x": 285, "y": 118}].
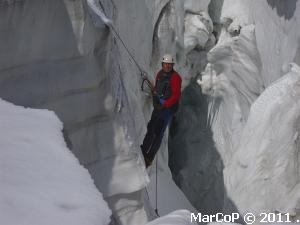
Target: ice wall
[
  {"x": 64, "y": 55},
  {"x": 56, "y": 57},
  {"x": 256, "y": 41},
  {"x": 273, "y": 116},
  {"x": 282, "y": 19},
  {"x": 263, "y": 175}
]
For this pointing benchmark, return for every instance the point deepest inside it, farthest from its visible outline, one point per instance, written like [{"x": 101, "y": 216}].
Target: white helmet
[{"x": 168, "y": 59}]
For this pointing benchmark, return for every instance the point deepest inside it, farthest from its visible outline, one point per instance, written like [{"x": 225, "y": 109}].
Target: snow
[
  {"x": 239, "y": 12},
  {"x": 198, "y": 30},
  {"x": 41, "y": 180},
  {"x": 165, "y": 189},
  {"x": 197, "y": 25}
]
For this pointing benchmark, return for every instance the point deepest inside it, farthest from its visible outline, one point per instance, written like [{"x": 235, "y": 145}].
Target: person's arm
[{"x": 176, "y": 91}]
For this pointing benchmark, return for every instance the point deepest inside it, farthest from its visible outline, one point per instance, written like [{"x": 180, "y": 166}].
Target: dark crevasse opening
[{"x": 196, "y": 165}]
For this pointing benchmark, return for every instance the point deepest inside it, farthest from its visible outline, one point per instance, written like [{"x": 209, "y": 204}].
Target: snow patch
[{"x": 41, "y": 181}]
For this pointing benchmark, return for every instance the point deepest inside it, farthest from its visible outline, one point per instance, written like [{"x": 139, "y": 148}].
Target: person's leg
[
  {"x": 166, "y": 119},
  {"x": 155, "y": 142},
  {"x": 150, "y": 135},
  {"x": 162, "y": 123}
]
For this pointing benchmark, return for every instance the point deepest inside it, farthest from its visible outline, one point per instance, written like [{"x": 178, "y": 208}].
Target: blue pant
[{"x": 155, "y": 132}]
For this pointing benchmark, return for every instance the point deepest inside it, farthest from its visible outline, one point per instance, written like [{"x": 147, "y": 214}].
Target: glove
[
  {"x": 162, "y": 101},
  {"x": 156, "y": 103}
]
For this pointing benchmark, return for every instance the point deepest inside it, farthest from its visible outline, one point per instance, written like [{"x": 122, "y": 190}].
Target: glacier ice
[
  {"x": 266, "y": 162},
  {"x": 63, "y": 55},
  {"x": 248, "y": 61},
  {"x": 279, "y": 49}
]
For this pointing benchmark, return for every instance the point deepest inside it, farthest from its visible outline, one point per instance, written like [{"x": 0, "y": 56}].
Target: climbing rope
[
  {"x": 117, "y": 35},
  {"x": 156, "y": 189},
  {"x": 127, "y": 50},
  {"x": 156, "y": 209},
  {"x": 146, "y": 87}
]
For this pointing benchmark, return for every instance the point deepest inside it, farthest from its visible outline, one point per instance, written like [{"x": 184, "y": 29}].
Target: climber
[{"x": 166, "y": 94}]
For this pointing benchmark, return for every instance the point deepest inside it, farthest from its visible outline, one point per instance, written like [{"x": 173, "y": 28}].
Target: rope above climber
[{"x": 166, "y": 95}]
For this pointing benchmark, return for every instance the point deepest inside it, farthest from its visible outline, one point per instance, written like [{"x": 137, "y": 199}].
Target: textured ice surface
[
  {"x": 256, "y": 42},
  {"x": 266, "y": 162},
  {"x": 273, "y": 17}
]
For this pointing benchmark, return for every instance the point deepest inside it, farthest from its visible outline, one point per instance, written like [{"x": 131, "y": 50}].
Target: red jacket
[{"x": 175, "y": 83}]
